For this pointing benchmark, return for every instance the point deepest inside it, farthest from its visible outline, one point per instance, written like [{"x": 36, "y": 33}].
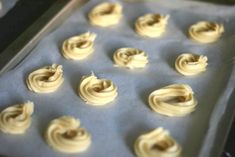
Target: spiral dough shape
[
  {"x": 173, "y": 100},
  {"x": 79, "y": 47},
  {"x": 151, "y": 25},
  {"x": 157, "y": 143},
  {"x": 65, "y": 135},
  {"x": 105, "y": 14},
  {"x": 45, "y": 80},
  {"x": 16, "y": 119},
  {"x": 96, "y": 91},
  {"x": 206, "y": 32},
  {"x": 130, "y": 58},
  {"x": 191, "y": 64}
]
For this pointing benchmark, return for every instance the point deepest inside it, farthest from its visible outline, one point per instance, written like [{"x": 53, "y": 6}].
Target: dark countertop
[{"x": 26, "y": 12}]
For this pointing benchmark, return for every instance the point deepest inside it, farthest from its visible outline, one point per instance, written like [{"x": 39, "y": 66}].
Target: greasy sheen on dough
[
  {"x": 16, "y": 119},
  {"x": 65, "y": 135},
  {"x": 191, "y": 64},
  {"x": 79, "y": 47},
  {"x": 206, "y": 32},
  {"x": 174, "y": 100},
  {"x": 130, "y": 57},
  {"x": 45, "y": 80},
  {"x": 151, "y": 25},
  {"x": 157, "y": 143},
  {"x": 105, "y": 14},
  {"x": 96, "y": 91}
]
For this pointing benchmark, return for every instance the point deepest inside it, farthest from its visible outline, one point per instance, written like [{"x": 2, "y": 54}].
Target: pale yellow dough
[
  {"x": 191, "y": 64},
  {"x": 151, "y": 25},
  {"x": 96, "y": 91},
  {"x": 16, "y": 119},
  {"x": 65, "y": 135},
  {"x": 206, "y": 32},
  {"x": 157, "y": 143},
  {"x": 173, "y": 100},
  {"x": 79, "y": 47},
  {"x": 130, "y": 58},
  {"x": 45, "y": 80},
  {"x": 105, "y": 14}
]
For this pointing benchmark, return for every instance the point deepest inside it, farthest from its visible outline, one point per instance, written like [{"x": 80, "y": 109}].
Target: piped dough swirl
[
  {"x": 65, "y": 135},
  {"x": 157, "y": 143},
  {"x": 105, "y": 14},
  {"x": 96, "y": 91},
  {"x": 151, "y": 25},
  {"x": 16, "y": 119},
  {"x": 130, "y": 58},
  {"x": 79, "y": 47},
  {"x": 45, "y": 80},
  {"x": 173, "y": 100},
  {"x": 191, "y": 64},
  {"x": 206, "y": 32}
]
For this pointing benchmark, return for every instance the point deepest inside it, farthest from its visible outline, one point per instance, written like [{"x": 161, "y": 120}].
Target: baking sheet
[
  {"x": 115, "y": 127},
  {"x": 6, "y": 5}
]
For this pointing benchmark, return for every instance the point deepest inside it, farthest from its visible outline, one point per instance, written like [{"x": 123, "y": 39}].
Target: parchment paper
[
  {"x": 115, "y": 127},
  {"x": 6, "y": 5}
]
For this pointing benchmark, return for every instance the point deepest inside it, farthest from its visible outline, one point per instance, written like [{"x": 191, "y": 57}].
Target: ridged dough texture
[
  {"x": 45, "y": 80},
  {"x": 105, "y": 14},
  {"x": 130, "y": 58},
  {"x": 206, "y": 32},
  {"x": 173, "y": 100},
  {"x": 65, "y": 135},
  {"x": 16, "y": 119},
  {"x": 157, "y": 143},
  {"x": 151, "y": 25},
  {"x": 79, "y": 47},
  {"x": 191, "y": 64},
  {"x": 96, "y": 91}
]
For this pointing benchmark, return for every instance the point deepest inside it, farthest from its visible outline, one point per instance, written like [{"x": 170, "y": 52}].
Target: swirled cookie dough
[
  {"x": 45, "y": 80},
  {"x": 206, "y": 32},
  {"x": 65, "y": 135},
  {"x": 16, "y": 119},
  {"x": 130, "y": 57},
  {"x": 151, "y": 25},
  {"x": 79, "y": 47},
  {"x": 105, "y": 14},
  {"x": 96, "y": 91},
  {"x": 173, "y": 100},
  {"x": 190, "y": 64},
  {"x": 157, "y": 143}
]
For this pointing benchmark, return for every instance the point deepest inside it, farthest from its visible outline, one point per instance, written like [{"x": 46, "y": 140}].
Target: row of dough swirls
[
  {"x": 64, "y": 134},
  {"x": 152, "y": 25},
  {"x": 172, "y": 100}
]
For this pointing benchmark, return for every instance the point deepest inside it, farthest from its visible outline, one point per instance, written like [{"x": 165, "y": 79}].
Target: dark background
[{"x": 26, "y": 12}]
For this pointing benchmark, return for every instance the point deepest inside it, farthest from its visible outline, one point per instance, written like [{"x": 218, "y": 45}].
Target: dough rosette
[
  {"x": 16, "y": 119},
  {"x": 206, "y": 32},
  {"x": 173, "y": 100},
  {"x": 79, "y": 47},
  {"x": 130, "y": 57},
  {"x": 45, "y": 80},
  {"x": 105, "y": 14},
  {"x": 191, "y": 64},
  {"x": 151, "y": 25},
  {"x": 65, "y": 135},
  {"x": 96, "y": 91},
  {"x": 157, "y": 143}
]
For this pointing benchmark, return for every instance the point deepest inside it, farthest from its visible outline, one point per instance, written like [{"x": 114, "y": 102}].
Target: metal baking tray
[{"x": 19, "y": 49}]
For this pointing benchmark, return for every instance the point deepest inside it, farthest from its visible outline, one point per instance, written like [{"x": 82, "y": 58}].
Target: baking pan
[{"x": 125, "y": 114}]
